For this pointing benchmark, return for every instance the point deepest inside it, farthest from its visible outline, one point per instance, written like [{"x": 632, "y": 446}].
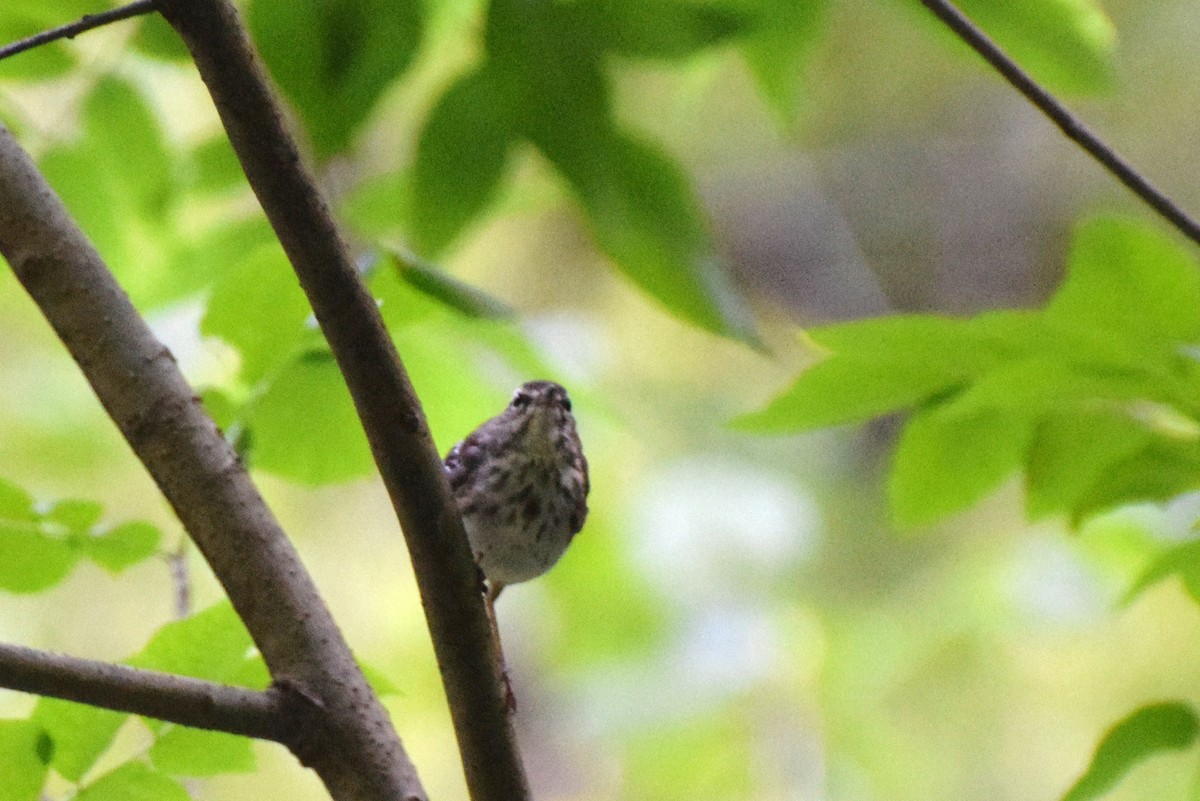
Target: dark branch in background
[
  {"x": 391, "y": 414},
  {"x": 1064, "y": 119},
  {"x": 73, "y": 29},
  {"x": 351, "y": 743},
  {"x": 176, "y": 699}
]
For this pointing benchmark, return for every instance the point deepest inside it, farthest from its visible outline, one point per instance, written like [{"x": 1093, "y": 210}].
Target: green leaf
[
  {"x": 157, "y": 39},
  {"x": 1161, "y": 470},
  {"x": 778, "y": 47},
  {"x": 216, "y": 167},
  {"x": 80, "y": 733},
  {"x": 1149, "y": 730},
  {"x": 1181, "y": 560},
  {"x": 456, "y": 295},
  {"x": 667, "y": 29},
  {"x": 211, "y": 644},
  {"x": 122, "y": 546},
  {"x": 1066, "y": 44},
  {"x": 333, "y": 59},
  {"x": 15, "y": 503},
  {"x": 461, "y": 158},
  {"x": 209, "y": 255},
  {"x": 947, "y": 460},
  {"x": 133, "y": 781},
  {"x": 883, "y": 365},
  {"x": 1071, "y": 452},
  {"x": 304, "y": 426},
  {"x": 121, "y": 127},
  {"x": 1127, "y": 277},
  {"x": 118, "y": 181},
  {"x": 645, "y": 217},
  {"x": 75, "y": 515},
  {"x": 259, "y": 309},
  {"x": 378, "y": 680},
  {"x": 40, "y": 63},
  {"x": 380, "y": 206},
  {"x": 95, "y": 197},
  {"x": 26, "y": 752},
  {"x": 30, "y": 561},
  {"x": 181, "y": 751}
]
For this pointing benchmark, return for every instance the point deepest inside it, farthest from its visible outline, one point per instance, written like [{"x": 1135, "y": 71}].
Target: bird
[{"x": 520, "y": 481}]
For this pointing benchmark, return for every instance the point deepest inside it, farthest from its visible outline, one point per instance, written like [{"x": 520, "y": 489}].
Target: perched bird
[{"x": 521, "y": 483}]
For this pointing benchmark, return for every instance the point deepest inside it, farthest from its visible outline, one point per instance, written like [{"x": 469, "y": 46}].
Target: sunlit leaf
[
  {"x": 448, "y": 290},
  {"x": 260, "y": 309},
  {"x": 664, "y": 28},
  {"x": 1182, "y": 561},
  {"x": 461, "y": 157},
  {"x": 1066, "y": 44},
  {"x": 1150, "y": 730},
  {"x": 80, "y": 733},
  {"x": 216, "y": 168},
  {"x": 304, "y": 426},
  {"x": 1157, "y": 472},
  {"x": 777, "y": 48},
  {"x": 21, "y": 20},
  {"x": 211, "y": 644},
  {"x": 133, "y": 781},
  {"x": 181, "y": 751},
  {"x": 1129, "y": 277},
  {"x": 156, "y": 38},
  {"x": 15, "y": 503},
  {"x": 945, "y": 461},
  {"x": 1070, "y": 453},
  {"x": 25, "y": 753},
  {"x": 880, "y": 366},
  {"x": 122, "y": 546},
  {"x": 75, "y": 515},
  {"x": 334, "y": 58},
  {"x": 31, "y": 561},
  {"x": 122, "y": 128},
  {"x": 644, "y": 215}
]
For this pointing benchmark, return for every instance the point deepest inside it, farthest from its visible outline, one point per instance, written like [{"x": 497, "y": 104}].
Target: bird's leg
[{"x": 493, "y": 592}]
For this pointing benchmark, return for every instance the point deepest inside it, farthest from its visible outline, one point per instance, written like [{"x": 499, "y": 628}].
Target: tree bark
[
  {"x": 395, "y": 425},
  {"x": 351, "y": 744}
]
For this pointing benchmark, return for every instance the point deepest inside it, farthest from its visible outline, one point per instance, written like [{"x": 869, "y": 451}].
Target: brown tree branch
[
  {"x": 73, "y": 29},
  {"x": 176, "y": 699},
  {"x": 391, "y": 414},
  {"x": 1070, "y": 125},
  {"x": 351, "y": 744}
]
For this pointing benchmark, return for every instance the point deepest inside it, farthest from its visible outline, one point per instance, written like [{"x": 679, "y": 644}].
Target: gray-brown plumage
[{"x": 521, "y": 483}]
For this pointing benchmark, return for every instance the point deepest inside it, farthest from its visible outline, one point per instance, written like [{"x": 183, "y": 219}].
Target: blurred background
[{"x": 738, "y": 619}]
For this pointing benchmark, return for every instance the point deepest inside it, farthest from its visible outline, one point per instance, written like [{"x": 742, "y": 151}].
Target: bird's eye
[
  {"x": 566, "y": 402},
  {"x": 521, "y": 400}
]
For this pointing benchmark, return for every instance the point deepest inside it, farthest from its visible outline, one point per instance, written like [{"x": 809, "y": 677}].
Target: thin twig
[
  {"x": 176, "y": 699},
  {"x": 1070, "y": 125},
  {"x": 411, "y": 467},
  {"x": 72, "y": 29}
]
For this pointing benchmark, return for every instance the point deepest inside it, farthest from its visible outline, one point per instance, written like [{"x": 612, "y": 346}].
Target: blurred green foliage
[
  {"x": 1094, "y": 397},
  {"x": 1090, "y": 398}
]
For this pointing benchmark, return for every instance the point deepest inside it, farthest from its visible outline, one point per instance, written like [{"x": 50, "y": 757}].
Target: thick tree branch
[
  {"x": 73, "y": 29},
  {"x": 390, "y": 412},
  {"x": 352, "y": 744},
  {"x": 176, "y": 699},
  {"x": 1070, "y": 125}
]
